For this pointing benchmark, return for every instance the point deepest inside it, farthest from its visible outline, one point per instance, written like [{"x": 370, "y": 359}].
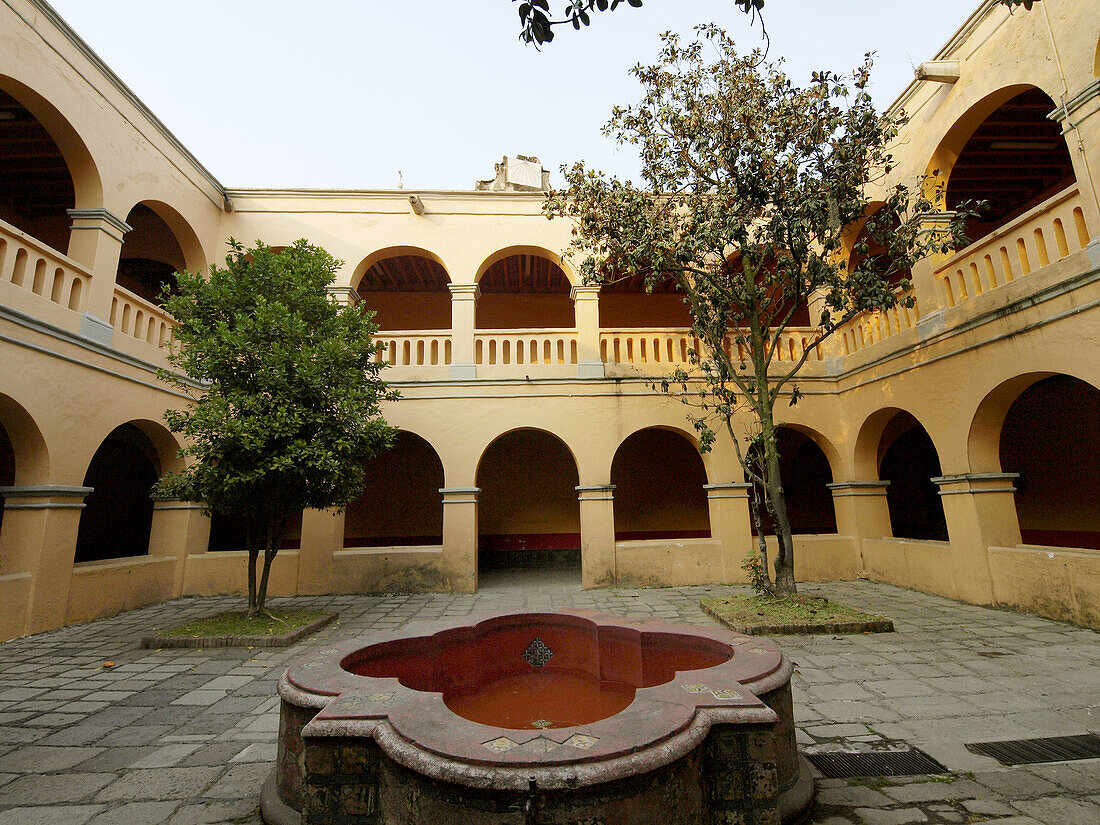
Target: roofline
[
  {"x": 274, "y": 192},
  {"x": 958, "y": 38},
  {"x": 59, "y": 23}
]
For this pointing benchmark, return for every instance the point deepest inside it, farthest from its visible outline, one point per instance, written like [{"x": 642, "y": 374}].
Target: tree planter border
[
  {"x": 802, "y": 628},
  {"x": 283, "y": 640}
]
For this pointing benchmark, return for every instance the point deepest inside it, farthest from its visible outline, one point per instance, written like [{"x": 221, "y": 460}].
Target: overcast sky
[{"x": 344, "y": 93}]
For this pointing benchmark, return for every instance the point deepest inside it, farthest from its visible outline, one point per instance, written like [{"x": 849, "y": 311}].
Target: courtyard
[{"x": 187, "y": 736}]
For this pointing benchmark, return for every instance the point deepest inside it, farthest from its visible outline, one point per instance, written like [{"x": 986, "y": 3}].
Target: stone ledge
[
  {"x": 284, "y": 640},
  {"x": 804, "y": 629}
]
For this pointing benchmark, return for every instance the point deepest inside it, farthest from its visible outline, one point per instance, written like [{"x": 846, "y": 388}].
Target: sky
[{"x": 346, "y": 93}]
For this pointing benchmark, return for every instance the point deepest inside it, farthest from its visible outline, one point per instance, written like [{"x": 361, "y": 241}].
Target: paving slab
[{"x": 185, "y": 736}]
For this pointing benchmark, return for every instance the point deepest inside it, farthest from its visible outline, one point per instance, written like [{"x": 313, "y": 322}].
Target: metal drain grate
[
  {"x": 1031, "y": 751},
  {"x": 846, "y": 764}
]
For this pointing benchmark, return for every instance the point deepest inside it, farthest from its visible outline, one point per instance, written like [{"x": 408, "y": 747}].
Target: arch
[
  {"x": 659, "y": 475},
  {"x": 533, "y": 251},
  {"x": 627, "y": 304},
  {"x": 151, "y": 254},
  {"x": 401, "y": 504},
  {"x": 56, "y": 164},
  {"x": 1096, "y": 61},
  {"x": 908, "y": 459},
  {"x": 778, "y": 304},
  {"x": 190, "y": 254},
  {"x": 405, "y": 287},
  {"x": 806, "y": 470},
  {"x": 528, "y": 512},
  {"x": 1003, "y": 150},
  {"x": 524, "y": 287},
  {"x": 118, "y": 513},
  {"x": 1042, "y": 425},
  {"x": 869, "y": 232},
  {"x": 29, "y": 455}
]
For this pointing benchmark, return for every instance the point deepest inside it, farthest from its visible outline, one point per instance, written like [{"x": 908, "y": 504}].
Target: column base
[
  {"x": 463, "y": 372},
  {"x": 96, "y": 330},
  {"x": 590, "y": 369}
]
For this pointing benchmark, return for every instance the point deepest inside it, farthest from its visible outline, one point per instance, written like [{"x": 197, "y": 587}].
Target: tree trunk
[
  {"x": 253, "y": 555},
  {"x": 762, "y": 540},
  {"x": 276, "y": 527},
  {"x": 777, "y": 500}
]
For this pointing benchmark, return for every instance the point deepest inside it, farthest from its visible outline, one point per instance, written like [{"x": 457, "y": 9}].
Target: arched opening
[
  {"x": 872, "y": 242},
  {"x": 626, "y": 303},
  {"x": 150, "y": 257},
  {"x": 528, "y": 512},
  {"x": 907, "y": 458},
  {"x": 806, "y": 474},
  {"x": 524, "y": 291},
  {"x": 36, "y": 186},
  {"x": 406, "y": 288},
  {"x": 401, "y": 505},
  {"x": 1051, "y": 438},
  {"x": 118, "y": 513},
  {"x": 659, "y": 476},
  {"x": 1014, "y": 159}
]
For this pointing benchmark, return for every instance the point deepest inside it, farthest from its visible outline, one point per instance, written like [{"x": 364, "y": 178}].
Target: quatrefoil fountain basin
[{"x": 541, "y": 717}]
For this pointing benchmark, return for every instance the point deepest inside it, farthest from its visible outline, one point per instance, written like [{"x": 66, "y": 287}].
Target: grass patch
[
  {"x": 793, "y": 614},
  {"x": 237, "y": 624}
]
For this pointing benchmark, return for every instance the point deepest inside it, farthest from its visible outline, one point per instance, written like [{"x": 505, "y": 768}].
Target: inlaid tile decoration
[
  {"x": 581, "y": 741},
  {"x": 501, "y": 744},
  {"x": 726, "y": 693},
  {"x": 695, "y": 688},
  {"x": 537, "y": 653},
  {"x": 381, "y": 698},
  {"x": 542, "y": 724}
]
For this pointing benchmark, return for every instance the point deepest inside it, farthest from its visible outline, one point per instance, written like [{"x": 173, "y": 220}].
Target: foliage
[
  {"x": 537, "y": 23},
  {"x": 287, "y": 406},
  {"x": 751, "y": 187},
  {"x": 754, "y": 566}
]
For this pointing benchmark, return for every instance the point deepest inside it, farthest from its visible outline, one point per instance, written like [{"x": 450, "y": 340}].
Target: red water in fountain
[
  {"x": 489, "y": 675},
  {"x": 549, "y": 697}
]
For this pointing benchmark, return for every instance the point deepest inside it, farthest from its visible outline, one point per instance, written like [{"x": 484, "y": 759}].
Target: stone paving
[{"x": 187, "y": 736}]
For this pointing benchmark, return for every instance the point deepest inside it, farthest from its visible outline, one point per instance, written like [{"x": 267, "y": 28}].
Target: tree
[
  {"x": 750, "y": 187},
  {"x": 285, "y": 393},
  {"x": 537, "y": 23}
]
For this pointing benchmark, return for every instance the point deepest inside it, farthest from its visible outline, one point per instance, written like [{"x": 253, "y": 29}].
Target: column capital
[
  {"x": 1065, "y": 112},
  {"x": 596, "y": 492},
  {"x": 859, "y": 488},
  {"x": 343, "y": 295},
  {"x": 30, "y": 497},
  {"x": 176, "y": 504},
  {"x": 464, "y": 292},
  {"x": 460, "y": 495},
  {"x": 936, "y": 221},
  {"x": 587, "y": 292},
  {"x": 973, "y": 483},
  {"x": 737, "y": 489},
  {"x": 102, "y": 219}
]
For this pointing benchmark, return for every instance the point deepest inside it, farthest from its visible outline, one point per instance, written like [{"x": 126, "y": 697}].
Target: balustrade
[{"x": 32, "y": 266}]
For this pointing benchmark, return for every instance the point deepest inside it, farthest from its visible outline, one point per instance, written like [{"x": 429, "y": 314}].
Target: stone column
[
  {"x": 861, "y": 512},
  {"x": 1079, "y": 117},
  {"x": 96, "y": 242},
  {"x": 179, "y": 529},
  {"x": 926, "y": 289},
  {"x": 463, "y": 308},
  {"x": 981, "y": 512},
  {"x": 731, "y": 525},
  {"x": 322, "y": 536},
  {"x": 586, "y": 300},
  {"x": 460, "y": 537},
  {"x": 39, "y": 537},
  {"x": 597, "y": 506}
]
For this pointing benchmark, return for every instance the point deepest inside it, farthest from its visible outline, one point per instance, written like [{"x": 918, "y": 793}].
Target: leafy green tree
[
  {"x": 537, "y": 20},
  {"x": 285, "y": 391},
  {"x": 750, "y": 187}
]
